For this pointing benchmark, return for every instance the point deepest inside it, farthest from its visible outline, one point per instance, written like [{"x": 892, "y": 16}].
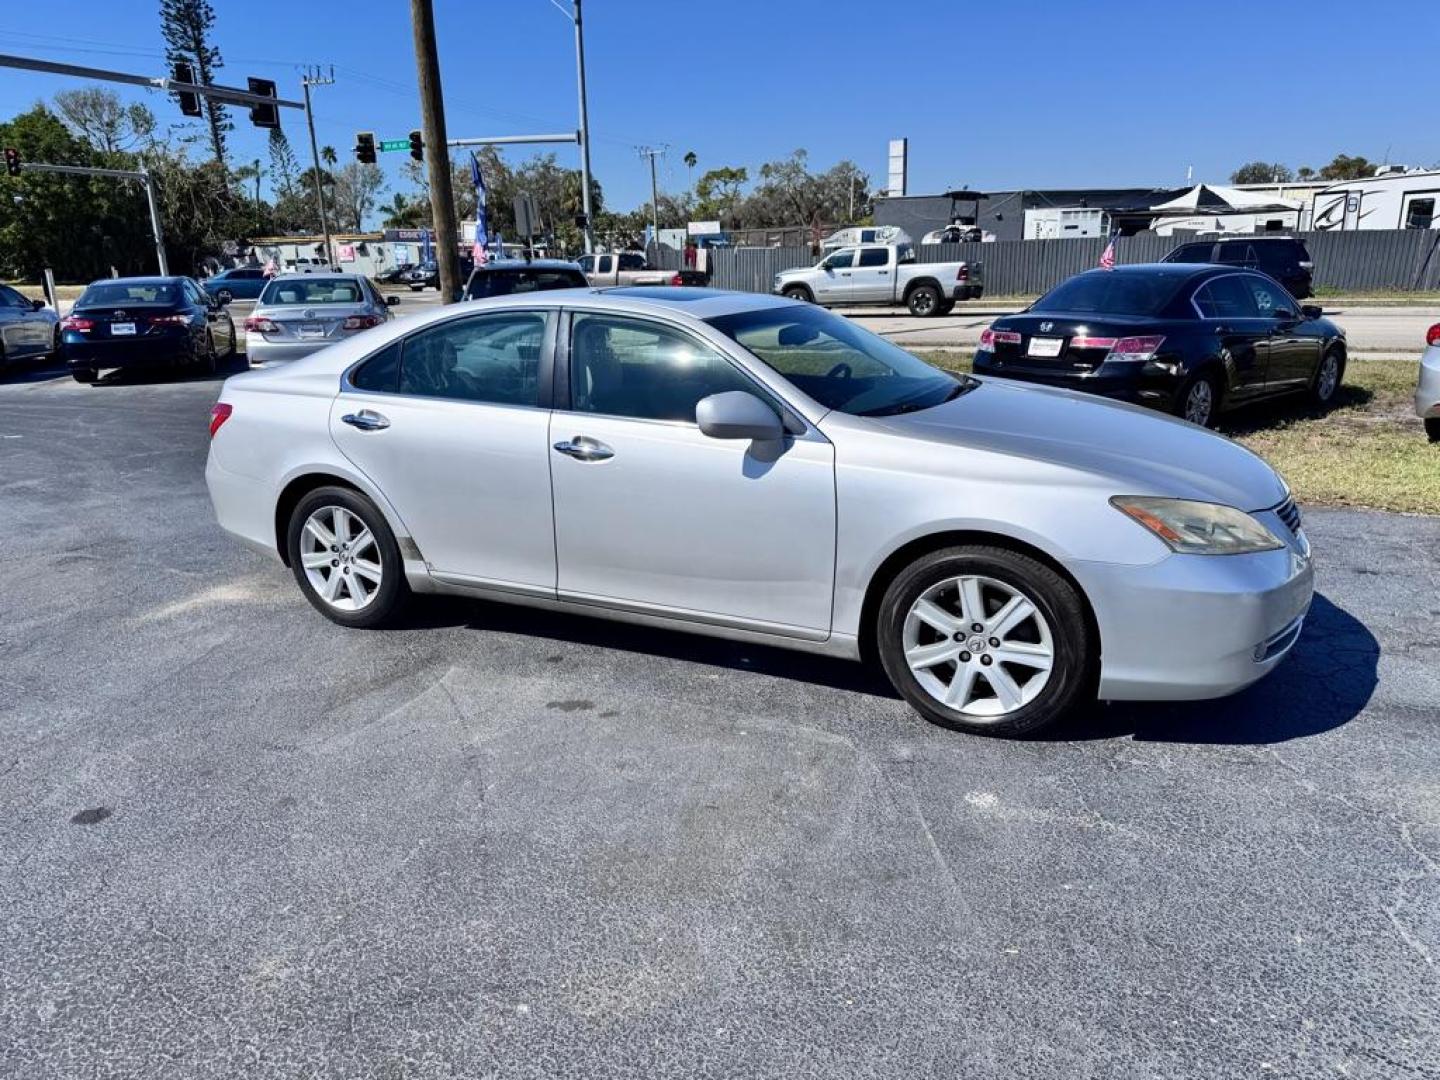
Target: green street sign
[{"x": 395, "y": 144}]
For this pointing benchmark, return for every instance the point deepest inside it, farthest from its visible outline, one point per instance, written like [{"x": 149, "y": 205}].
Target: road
[{"x": 237, "y": 840}]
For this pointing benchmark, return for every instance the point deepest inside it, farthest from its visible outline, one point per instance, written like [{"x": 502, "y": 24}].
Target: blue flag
[{"x": 482, "y": 226}]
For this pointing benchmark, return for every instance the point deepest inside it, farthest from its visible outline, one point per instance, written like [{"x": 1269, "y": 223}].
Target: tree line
[{"x": 1341, "y": 167}]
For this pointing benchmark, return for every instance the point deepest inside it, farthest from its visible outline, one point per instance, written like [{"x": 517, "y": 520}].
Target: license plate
[
  {"x": 1045, "y": 346},
  {"x": 312, "y": 330},
  {"x": 122, "y": 329}
]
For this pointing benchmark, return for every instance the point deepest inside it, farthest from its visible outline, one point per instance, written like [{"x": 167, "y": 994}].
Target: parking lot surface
[{"x": 237, "y": 840}]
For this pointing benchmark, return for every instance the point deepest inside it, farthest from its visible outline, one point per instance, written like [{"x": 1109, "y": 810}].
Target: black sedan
[
  {"x": 145, "y": 322},
  {"x": 1192, "y": 340}
]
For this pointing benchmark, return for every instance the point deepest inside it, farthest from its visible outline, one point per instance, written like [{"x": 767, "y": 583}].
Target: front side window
[
  {"x": 1270, "y": 300},
  {"x": 380, "y": 373},
  {"x": 633, "y": 368},
  {"x": 874, "y": 257},
  {"x": 836, "y": 362},
  {"x": 488, "y": 358},
  {"x": 311, "y": 290},
  {"x": 587, "y": 263},
  {"x": 10, "y": 298},
  {"x": 1226, "y": 298},
  {"x": 840, "y": 260}
]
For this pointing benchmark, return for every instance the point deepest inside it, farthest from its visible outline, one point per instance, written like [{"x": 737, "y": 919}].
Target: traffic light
[
  {"x": 265, "y": 116},
  {"x": 189, "y": 100},
  {"x": 417, "y": 146},
  {"x": 12, "y": 161},
  {"x": 365, "y": 147}
]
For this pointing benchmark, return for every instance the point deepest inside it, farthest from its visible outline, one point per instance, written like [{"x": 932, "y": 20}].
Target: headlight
[{"x": 1198, "y": 528}]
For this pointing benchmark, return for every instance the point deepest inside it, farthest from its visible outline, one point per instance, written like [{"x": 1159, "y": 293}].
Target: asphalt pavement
[{"x": 237, "y": 840}]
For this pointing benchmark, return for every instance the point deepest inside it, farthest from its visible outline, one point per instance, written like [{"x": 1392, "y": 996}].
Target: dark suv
[{"x": 1284, "y": 258}]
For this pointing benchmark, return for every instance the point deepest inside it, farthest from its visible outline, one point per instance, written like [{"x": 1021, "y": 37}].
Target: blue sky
[{"x": 1020, "y": 94}]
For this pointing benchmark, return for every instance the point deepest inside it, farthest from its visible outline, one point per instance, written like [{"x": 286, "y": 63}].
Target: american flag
[
  {"x": 1107, "y": 257},
  {"x": 482, "y": 227}
]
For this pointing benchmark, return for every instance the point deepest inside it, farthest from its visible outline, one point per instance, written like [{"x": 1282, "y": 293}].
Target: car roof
[
  {"x": 152, "y": 279},
  {"x": 531, "y": 264},
  {"x": 297, "y": 276}
]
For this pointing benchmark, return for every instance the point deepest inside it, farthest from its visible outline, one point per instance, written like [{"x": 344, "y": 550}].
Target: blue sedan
[{"x": 238, "y": 283}]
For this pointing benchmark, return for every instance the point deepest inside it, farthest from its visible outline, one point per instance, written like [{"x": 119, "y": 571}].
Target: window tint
[
  {"x": 1108, "y": 292},
  {"x": 493, "y": 358},
  {"x": 1270, "y": 300},
  {"x": 840, "y": 260},
  {"x": 874, "y": 257},
  {"x": 629, "y": 367},
  {"x": 1226, "y": 298},
  {"x": 119, "y": 294},
  {"x": 381, "y": 372},
  {"x": 506, "y": 282},
  {"x": 587, "y": 263},
  {"x": 1191, "y": 253},
  {"x": 630, "y": 260},
  {"x": 1236, "y": 255},
  {"x": 9, "y": 296}
]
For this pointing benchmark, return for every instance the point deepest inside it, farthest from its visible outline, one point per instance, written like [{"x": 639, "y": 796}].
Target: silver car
[
  {"x": 27, "y": 327},
  {"x": 298, "y": 314},
  {"x": 1427, "y": 390},
  {"x": 764, "y": 470}
]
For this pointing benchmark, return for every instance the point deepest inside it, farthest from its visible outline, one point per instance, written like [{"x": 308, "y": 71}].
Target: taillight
[
  {"x": 1136, "y": 348},
  {"x": 74, "y": 322},
  {"x": 1432, "y": 337},
  {"x": 219, "y": 413},
  {"x": 990, "y": 337},
  {"x": 1080, "y": 341},
  {"x": 963, "y": 274},
  {"x": 169, "y": 320},
  {"x": 677, "y": 280},
  {"x": 259, "y": 324},
  {"x": 360, "y": 322}
]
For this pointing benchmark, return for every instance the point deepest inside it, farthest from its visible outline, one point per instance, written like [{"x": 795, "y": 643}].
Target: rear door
[
  {"x": 1228, "y": 308},
  {"x": 450, "y": 423},
  {"x": 872, "y": 280}
]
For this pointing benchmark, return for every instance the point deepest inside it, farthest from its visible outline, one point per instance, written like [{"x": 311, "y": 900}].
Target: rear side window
[
  {"x": 1106, "y": 292},
  {"x": 380, "y": 373},
  {"x": 874, "y": 257},
  {"x": 631, "y": 261},
  {"x": 1191, "y": 253},
  {"x": 486, "y": 358},
  {"x": 1237, "y": 255}
]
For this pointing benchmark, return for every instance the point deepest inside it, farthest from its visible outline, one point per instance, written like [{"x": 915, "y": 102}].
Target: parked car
[
  {"x": 145, "y": 322},
  {"x": 27, "y": 327},
  {"x": 883, "y": 274},
  {"x": 298, "y": 314},
  {"x": 1284, "y": 258},
  {"x": 503, "y": 277},
  {"x": 238, "y": 283},
  {"x": 1427, "y": 391},
  {"x": 394, "y": 274},
  {"x": 608, "y": 270},
  {"x": 1190, "y": 340},
  {"x": 427, "y": 275},
  {"x": 753, "y": 468}
]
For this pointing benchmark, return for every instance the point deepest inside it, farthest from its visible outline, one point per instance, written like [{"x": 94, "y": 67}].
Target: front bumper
[
  {"x": 1191, "y": 627},
  {"x": 1427, "y": 391}
]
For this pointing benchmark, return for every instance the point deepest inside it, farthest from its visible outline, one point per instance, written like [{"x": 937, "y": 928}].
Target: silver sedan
[
  {"x": 758, "y": 469},
  {"x": 1427, "y": 390},
  {"x": 298, "y": 314}
]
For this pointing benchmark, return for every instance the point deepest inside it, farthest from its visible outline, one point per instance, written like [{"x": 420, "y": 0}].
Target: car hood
[{"x": 1139, "y": 451}]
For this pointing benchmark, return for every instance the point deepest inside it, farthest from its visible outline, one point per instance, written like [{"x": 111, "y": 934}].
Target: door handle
[
  {"x": 583, "y": 448},
  {"x": 366, "y": 420}
]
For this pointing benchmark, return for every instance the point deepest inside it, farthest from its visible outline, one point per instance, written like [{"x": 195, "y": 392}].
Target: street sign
[
  {"x": 527, "y": 215},
  {"x": 394, "y": 144}
]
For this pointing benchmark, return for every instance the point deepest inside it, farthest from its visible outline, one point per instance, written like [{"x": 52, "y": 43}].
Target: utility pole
[
  {"x": 141, "y": 175},
  {"x": 314, "y": 78},
  {"x": 652, "y": 153},
  {"x": 437, "y": 157},
  {"x": 584, "y": 132}
]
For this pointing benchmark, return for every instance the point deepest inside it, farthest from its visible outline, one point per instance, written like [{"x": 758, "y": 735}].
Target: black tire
[
  {"x": 57, "y": 345},
  {"x": 924, "y": 301},
  {"x": 1432, "y": 428},
  {"x": 1070, "y": 680},
  {"x": 84, "y": 375},
  {"x": 1322, "y": 390},
  {"x": 1200, "y": 387},
  {"x": 946, "y": 307},
  {"x": 393, "y": 592},
  {"x": 797, "y": 292},
  {"x": 209, "y": 357}
]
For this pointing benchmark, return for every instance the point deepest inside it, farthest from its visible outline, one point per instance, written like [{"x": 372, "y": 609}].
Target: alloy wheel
[
  {"x": 1199, "y": 403},
  {"x": 924, "y": 303},
  {"x": 1328, "y": 378},
  {"x": 978, "y": 646},
  {"x": 340, "y": 558}
]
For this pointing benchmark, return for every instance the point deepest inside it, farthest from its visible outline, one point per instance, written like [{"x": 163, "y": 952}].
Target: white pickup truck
[{"x": 883, "y": 274}]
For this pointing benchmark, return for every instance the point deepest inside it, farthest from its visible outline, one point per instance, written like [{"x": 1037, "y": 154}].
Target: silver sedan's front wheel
[
  {"x": 345, "y": 558},
  {"x": 986, "y": 639}
]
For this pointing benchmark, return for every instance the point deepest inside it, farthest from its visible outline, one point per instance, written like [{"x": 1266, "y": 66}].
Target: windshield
[
  {"x": 837, "y": 363},
  {"x": 505, "y": 282},
  {"x": 122, "y": 293},
  {"x": 311, "y": 290},
  {"x": 1104, "y": 292}
]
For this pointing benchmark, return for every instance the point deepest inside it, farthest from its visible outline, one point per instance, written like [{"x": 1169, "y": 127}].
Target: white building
[{"x": 1394, "y": 198}]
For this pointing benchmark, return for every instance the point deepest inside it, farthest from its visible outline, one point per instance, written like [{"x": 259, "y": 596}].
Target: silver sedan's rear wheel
[
  {"x": 345, "y": 558},
  {"x": 986, "y": 639}
]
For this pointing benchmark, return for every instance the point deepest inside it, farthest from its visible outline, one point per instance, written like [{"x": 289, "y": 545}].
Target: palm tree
[
  {"x": 327, "y": 155},
  {"x": 690, "y": 162}
]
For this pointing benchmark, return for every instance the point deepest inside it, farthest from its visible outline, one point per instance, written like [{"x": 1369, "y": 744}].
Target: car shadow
[
  {"x": 1325, "y": 682},
  {"x": 145, "y": 376},
  {"x": 43, "y": 369},
  {"x": 1276, "y": 412}
]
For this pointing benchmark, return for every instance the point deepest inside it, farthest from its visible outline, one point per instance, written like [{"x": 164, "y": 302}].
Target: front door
[
  {"x": 654, "y": 516},
  {"x": 451, "y": 425},
  {"x": 1229, "y": 309},
  {"x": 23, "y": 330},
  {"x": 832, "y": 285},
  {"x": 1293, "y": 353},
  {"x": 872, "y": 281}
]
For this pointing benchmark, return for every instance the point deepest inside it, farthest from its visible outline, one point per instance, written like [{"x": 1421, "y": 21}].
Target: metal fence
[{"x": 1351, "y": 261}]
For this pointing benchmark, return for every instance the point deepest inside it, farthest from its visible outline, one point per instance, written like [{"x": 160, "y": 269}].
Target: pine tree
[
  {"x": 186, "y": 26},
  {"x": 283, "y": 167}
]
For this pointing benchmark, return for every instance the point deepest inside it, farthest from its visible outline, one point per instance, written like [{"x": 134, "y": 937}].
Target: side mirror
[
  {"x": 1312, "y": 311},
  {"x": 391, "y": 301},
  {"x": 1285, "y": 315},
  {"x": 737, "y": 414},
  {"x": 36, "y": 305}
]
